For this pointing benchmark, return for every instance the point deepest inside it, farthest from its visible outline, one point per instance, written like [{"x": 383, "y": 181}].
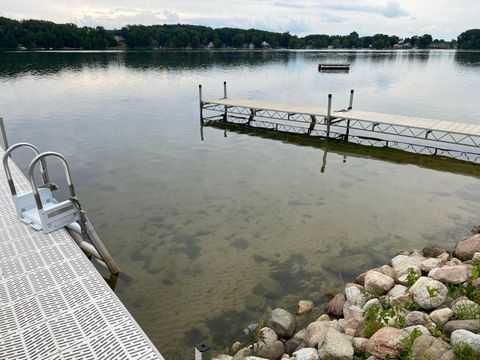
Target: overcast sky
[{"x": 441, "y": 18}]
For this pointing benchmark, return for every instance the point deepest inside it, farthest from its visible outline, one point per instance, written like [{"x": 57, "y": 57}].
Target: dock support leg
[
  {"x": 225, "y": 96},
  {"x": 348, "y": 130},
  {"x": 312, "y": 124},
  {"x": 4, "y": 134},
  {"x": 253, "y": 112},
  {"x": 329, "y": 117},
  {"x": 351, "y": 100},
  {"x": 201, "y": 103}
]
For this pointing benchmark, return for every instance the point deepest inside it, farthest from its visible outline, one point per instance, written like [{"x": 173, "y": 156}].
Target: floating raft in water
[{"x": 333, "y": 66}]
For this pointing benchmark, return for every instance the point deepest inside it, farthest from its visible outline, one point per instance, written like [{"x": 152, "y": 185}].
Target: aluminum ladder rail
[{"x": 82, "y": 226}]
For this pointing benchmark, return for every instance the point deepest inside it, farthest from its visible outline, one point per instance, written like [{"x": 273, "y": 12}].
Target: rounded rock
[
  {"x": 335, "y": 306},
  {"x": 282, "y": 322},
  {"x": 304, "y": 307},
  {"x": 386, "y": 341},
  {"x": 429, "y": 293},
  {"x": 441, "y": 316},
  {"x": 466, "y": 337},
  {"x": 306, "y": 354},
  {"x": 378, "y": 283},
  {"x": 457, "y": 274},
  {"x": 467, "y": 248}
]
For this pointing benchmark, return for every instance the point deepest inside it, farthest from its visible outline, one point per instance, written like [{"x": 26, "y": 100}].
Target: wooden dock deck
[
  {"x": 340, "y": 124},
  {"x": 53, "y": 302}
]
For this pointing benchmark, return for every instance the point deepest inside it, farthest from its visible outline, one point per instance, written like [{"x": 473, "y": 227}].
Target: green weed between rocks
[
  {"x": 376, "y": 317},
  {"x": 466, "y": 311},
  {"x": 468, "y": 289},
  {"x": 463, "y": 351},
  {"x": 412, "y": 277}
]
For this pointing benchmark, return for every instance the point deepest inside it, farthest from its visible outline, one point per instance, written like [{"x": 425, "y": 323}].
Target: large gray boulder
[
  {"x": 316, "y": 332},
  {"x": 336, "y": 346},
  {"x": 429, "y": 347},
  {"x": 453, "y": 325},
  {"x": 378, "y": 283},
  {"x": 429, "y": 293},
  {"x": 335, "y": 306},
  {"x": 465, "y": 309},
  {"x": 467, "y": 248},
  {"x": 401, "y": 263},
  {"x": 441, "y": 316},
  {"x": 416, "y": 318},
  {"x": 270, "y": 349},
  {"x": 386, "y": 342},
  {"x": 430, "y": 264},
  {"x": 466, "y": 337},
  {"x": 421, "y": 328},
  {"x": 282, "y": 322},
  {"x": 451, "y": 274},
  {"x": 306, "y": 354}
]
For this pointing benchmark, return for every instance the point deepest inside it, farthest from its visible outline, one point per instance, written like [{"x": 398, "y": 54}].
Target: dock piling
[
  {"x": 4, "y": 134},
  {"x": 351, "y": 100},
  {"x": 225, "y": 96},
  {"x": 201, "y": 103},
  {"x": 329, "y": 117}
]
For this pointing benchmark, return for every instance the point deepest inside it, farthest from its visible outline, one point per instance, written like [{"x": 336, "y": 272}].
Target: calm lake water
[{"x": 210, "y": 232}]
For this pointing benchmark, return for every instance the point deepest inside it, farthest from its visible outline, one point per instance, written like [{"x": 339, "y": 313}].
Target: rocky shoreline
[{"x": 423, "y": 305}]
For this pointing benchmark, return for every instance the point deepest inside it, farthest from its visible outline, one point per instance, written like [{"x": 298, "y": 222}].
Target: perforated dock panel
[{"x": 53, "y": 302}]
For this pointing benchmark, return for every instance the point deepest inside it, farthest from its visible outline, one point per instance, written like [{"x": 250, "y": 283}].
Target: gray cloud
[{"x": 391, "y": 9}]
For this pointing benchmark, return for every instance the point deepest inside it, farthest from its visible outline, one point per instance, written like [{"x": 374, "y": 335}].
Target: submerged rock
[
  {"x": 433, "y": 251},
  {"x": 304, "y": 307},
  {"x": 282, "y": 322}
]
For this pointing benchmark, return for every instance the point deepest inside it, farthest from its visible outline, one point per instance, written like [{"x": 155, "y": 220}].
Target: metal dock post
[
  {"x": 4, "y": 134},
  {"x": 329, "y": 117},
  {"x": 225, "y": 96},
  {"x": 201, "y": 103}
]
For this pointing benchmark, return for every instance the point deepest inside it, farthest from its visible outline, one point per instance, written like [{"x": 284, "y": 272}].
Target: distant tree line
[
  {"x": 35, "y": 34},
  {"x": 469, "y": 39},
  {"x": 39, "y": 34}
]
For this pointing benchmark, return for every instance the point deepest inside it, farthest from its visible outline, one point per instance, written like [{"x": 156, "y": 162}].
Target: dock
[
  {"x": 343, "y": 124},
  {"x": 54, "y": 304}
]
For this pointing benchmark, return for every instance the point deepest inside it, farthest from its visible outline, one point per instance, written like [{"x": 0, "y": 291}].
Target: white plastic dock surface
[
  {"x": 53, "y": 302},
  {"x": 366, "y": 116}
]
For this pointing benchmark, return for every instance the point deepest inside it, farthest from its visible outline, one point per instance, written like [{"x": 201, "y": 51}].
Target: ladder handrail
[
  {"x": 6, "y": 166},
  {"x": 31, "y": 177}
]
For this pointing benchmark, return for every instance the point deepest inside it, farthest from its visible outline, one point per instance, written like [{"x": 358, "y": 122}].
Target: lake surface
[{"x": 210, "y": 232}]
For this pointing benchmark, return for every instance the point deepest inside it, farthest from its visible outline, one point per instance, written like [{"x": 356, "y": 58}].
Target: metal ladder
[{"x": 39, "y": 209}]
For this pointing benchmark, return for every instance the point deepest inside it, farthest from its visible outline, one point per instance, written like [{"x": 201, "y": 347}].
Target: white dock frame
[
  {"x": 340, "y": 124},
  {"x": 53, "y": 303}
]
